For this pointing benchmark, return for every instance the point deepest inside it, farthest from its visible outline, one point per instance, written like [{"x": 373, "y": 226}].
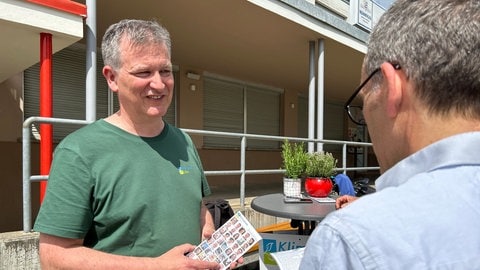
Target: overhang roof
[
  {"x": 21, "y": 23},
  {"x": 259, "y": 41},
  {"x": 243, "y": 40}
]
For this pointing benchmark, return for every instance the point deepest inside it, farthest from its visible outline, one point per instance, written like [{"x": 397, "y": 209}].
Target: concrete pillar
[{"x": 19, "y": 250}]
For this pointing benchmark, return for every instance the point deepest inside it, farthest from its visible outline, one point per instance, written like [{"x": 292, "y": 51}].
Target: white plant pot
[{"x": 292, "y": 187}]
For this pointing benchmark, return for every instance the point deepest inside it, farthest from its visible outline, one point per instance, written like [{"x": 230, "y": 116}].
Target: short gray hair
[
  {"x": 138, "y": 32},
  {"x": 438, "y": 46}
]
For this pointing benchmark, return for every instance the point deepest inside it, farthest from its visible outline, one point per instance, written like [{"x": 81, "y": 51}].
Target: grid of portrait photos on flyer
[{"x": 228, "y": 243}]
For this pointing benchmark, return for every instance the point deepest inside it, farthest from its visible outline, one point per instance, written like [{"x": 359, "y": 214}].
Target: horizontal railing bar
[
  {"x": 271, "y": 137},
  {"x": 239, "y": 172},
  {"x": 38, "y": 178},
  {"x": 29, "y": 121}
]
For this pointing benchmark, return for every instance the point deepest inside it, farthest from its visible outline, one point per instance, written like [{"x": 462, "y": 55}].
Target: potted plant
[
  {"x": 294, "y": 158},
  {"x": 319, "y": 168}
]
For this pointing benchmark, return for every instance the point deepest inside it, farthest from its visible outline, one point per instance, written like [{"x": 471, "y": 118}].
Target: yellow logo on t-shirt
[{"x": 183, "y": 170}]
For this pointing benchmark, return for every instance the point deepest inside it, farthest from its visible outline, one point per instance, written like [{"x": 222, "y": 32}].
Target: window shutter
[
  {"x": 263, "y": 116},
  {"x": 68, "y": 80},
  {"x": 233, "y": 106},
  {"x": 223, "y": 111}
]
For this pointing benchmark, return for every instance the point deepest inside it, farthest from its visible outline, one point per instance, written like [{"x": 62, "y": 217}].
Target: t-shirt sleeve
[{"x": 66, "y": 210}]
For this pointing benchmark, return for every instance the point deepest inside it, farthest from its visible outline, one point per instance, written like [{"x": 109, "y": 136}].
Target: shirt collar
[{"x": 456, "y": 150}]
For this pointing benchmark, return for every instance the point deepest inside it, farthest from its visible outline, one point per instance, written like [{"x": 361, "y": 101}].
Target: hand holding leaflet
[{"x": 228, "y": 243}]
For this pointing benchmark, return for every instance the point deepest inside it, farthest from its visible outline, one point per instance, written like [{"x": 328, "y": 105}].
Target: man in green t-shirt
[{"x": 126, "y": 191}]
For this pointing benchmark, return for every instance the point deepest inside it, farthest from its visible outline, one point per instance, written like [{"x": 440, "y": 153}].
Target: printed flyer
[{"x": 228, "y": 243}]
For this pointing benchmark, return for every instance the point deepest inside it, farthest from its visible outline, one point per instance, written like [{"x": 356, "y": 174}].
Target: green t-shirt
[{"x": 125, "y": 194}]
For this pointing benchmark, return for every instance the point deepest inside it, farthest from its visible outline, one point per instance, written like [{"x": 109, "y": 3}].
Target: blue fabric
[
  {"x": 345, "y": 186},
  {"x": 424, "y": 215}
]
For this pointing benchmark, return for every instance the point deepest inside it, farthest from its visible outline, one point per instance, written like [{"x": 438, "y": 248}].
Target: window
[{"x": 231, "y": 106}]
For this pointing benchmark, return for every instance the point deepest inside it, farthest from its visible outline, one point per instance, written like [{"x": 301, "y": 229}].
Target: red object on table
[{"x": 318, "y": 186}]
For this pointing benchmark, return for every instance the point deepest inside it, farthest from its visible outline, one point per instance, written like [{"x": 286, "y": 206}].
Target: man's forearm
[
  {"x": 55, "y": 257},
  {"x": 63, "y": 253}
]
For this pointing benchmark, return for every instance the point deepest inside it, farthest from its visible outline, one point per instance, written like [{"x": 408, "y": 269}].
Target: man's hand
[
  {"x": 176, "y": 259},
  {"x": 344, "y": 200},
  {"x": 238, "y": 262}
]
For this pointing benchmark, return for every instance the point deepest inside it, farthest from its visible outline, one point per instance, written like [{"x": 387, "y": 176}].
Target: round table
[{"x": 308, "y": 213}]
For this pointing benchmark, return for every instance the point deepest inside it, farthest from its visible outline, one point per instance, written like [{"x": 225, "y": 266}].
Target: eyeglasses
[{"x": 354, "y": 111}]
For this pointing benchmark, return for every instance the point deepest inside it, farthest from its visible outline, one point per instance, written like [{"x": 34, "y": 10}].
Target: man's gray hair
[
  {"x": 137, "y": 32},
  {"x": 437, "y": 44}
]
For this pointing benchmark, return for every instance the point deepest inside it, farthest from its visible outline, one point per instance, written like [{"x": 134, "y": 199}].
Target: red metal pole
[{"x": 46, "y": 108}]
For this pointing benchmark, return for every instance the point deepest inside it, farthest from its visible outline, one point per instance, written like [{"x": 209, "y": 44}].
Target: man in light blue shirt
[{"x": 421, "y": 101}]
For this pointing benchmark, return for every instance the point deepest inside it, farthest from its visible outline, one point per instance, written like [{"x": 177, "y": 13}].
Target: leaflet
[
  {"x": 289, "y": 259},
  {"x": 323, "y": 199},
  {"x": 228, "y": 243}
]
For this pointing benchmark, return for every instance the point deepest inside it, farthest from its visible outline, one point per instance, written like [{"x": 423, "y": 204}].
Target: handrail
[
  {"x": 26, "y": 162},
  {"x": 28, "y": 178}
]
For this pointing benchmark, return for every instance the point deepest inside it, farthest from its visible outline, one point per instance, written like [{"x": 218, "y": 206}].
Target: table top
[{"x": 273, "y": 204}]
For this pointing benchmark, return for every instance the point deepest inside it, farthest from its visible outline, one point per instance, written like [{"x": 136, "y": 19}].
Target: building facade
[{"x": 240, "y": 66}]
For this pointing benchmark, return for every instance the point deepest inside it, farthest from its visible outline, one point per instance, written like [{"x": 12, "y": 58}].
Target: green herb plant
[
  {"x": 294, "y": 158},
  {"x": 320, "y": 164}
]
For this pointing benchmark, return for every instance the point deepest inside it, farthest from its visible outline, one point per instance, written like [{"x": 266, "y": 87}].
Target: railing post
[
  {"x": 26, "y": 163},
  {"x": 242, "y": 169},
  {"x": 26, "y": 188}
]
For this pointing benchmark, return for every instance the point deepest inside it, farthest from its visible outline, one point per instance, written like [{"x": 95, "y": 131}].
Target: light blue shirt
[{"x": 424, "y": 215}]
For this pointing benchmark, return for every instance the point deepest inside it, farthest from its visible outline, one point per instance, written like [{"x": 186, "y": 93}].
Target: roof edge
[
  {"x": 64, "y": 5},
  {"x": 328, "y": 17}
]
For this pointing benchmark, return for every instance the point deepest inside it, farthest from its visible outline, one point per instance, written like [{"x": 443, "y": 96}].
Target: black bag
[{"x": 221, "y": 211}]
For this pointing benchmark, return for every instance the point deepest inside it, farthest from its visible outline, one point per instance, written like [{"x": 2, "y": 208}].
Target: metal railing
[
  {"x": 26, "y": 163},
  {"x": 242, "y": 172}
]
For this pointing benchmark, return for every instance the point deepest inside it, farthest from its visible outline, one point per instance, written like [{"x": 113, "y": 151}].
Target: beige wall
[
  {"x": 11, "y": 106},
  {"x": 11, "y": 119},
  {"x": 290, "y": 112},
  {"x": 190, "y": 103},
  {"x": 11, "y": 185}
]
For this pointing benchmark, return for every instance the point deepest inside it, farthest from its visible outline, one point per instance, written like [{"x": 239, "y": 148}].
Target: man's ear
[
  {"x": 394, "y": 83},
  {"x": 111, "y": 76}
]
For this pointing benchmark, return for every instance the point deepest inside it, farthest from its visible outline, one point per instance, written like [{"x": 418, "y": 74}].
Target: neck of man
[
  {"x": 144, "y": 128},
  {"x": 431, "y": 128}
]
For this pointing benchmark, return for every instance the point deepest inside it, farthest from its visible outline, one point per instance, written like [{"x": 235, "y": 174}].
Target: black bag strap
[
  {"x": 220, "y": 210},
  {"x": 218, "y": 216}
]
